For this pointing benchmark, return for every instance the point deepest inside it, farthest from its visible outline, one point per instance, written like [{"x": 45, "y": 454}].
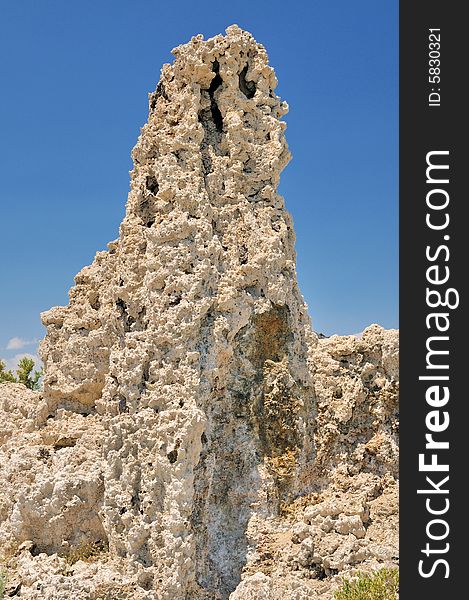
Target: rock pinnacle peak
[{"x": 190, "y": 334}]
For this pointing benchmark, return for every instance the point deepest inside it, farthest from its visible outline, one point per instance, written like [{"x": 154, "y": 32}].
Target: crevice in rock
[
  {"x": 130, "y": 322},
  {"x": 211, "y": 120},
  {"x": 135, "y": 500},
  {"x": 272, "y": 401},
  {"x": 161, "y": 91},
  {"x": 141, "y": 322},
  {"x": 146, "y": 208},
  {"x": 247, "y": 87},
  {"x": 94, "y": 301},
  {"x": 146, "y": 213},
  {"x": 127, "y": 319},
  {"x": 243, "y": 255},
  {"x": 146, "y": 373},
  {"x": 214, "y": 85},
  {"x": 272, "y": 335},
  {"x": 122, "y": 404}
]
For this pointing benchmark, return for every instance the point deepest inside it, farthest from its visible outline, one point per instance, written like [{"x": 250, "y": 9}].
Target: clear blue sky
[{"x": 75, "y": 78}]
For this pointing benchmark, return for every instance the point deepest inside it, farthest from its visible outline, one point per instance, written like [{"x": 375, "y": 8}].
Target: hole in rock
[
  {"x": 127, "y": 319},
  {"x": 247, "y": 87},
  {"x": 320, "y": 572},
  {"x": 123, "y": 408},
  {"x": 14, "y": 591},
  {"x": 174, "y": 299},
  {"x": 146, "y": 373},
  {"x": 43, "y": 454},
  {"x": 243, "y": 255},
  {"x": 146, "y": 582},
  {"x": 160, "y": 92},
  {"x": 172, "y": 456},
  {"x": 152, "y": 185}
]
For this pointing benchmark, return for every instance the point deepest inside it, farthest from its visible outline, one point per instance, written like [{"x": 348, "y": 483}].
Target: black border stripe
[{"x": 425, "y": 128}]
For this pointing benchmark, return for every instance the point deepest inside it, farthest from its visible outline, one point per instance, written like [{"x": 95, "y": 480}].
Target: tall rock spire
[{"x": 189, "y": 336}]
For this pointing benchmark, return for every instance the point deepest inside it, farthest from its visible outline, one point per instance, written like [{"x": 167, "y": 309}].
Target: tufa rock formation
[{"x": 195, "y": 440}]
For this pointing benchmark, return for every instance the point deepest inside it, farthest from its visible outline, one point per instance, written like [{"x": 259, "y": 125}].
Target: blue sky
[{"x": 75, "y": 81}]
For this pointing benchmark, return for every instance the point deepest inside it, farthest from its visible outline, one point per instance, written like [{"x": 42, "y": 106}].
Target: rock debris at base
[{"x": 195, "y": 440}]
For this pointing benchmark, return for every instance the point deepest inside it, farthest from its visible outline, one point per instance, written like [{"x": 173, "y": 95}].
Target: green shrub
[
  {"x": 6, "y": 376},
  {"x": 382, "y": 585},
  {"x": 24, "y": 374},
  {"x": 3, "y": 583},
  {"x": 86, "y": 551}
]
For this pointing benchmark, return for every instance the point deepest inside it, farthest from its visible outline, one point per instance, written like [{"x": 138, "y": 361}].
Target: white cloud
[
  {"x": 17, "y": 343},
  {"x": 12, "y": 363}
]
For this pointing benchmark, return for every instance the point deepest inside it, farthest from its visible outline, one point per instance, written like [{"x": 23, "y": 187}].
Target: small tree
[
  {"x": 6, "y": 376},
  {"x": 24, "y": 374},
  {"x": 24, "y": 370}
]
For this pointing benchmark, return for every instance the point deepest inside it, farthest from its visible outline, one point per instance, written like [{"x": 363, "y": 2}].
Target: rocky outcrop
[
  {"x": 340, "y": 517},
  {"x": 195, "y": 439},
  {"x": 345, "y": 520}
]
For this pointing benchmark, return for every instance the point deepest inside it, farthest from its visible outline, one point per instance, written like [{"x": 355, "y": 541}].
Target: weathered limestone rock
[
  {"x": 189, "y": 335},
  {"x": 345, "y": 519},
  {"x": 195, "y": 440},
  {"x": 340, "y": 518}
]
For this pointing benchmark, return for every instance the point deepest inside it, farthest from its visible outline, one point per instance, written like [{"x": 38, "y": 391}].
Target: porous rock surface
[{"x": 195, "y": 440}]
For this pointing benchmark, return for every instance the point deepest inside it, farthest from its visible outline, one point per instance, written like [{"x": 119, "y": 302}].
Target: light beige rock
[
  {"x": 299, "y": 552},
  {"x": 350, "y": 524},
  {"x": 195, "y": 440}
]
